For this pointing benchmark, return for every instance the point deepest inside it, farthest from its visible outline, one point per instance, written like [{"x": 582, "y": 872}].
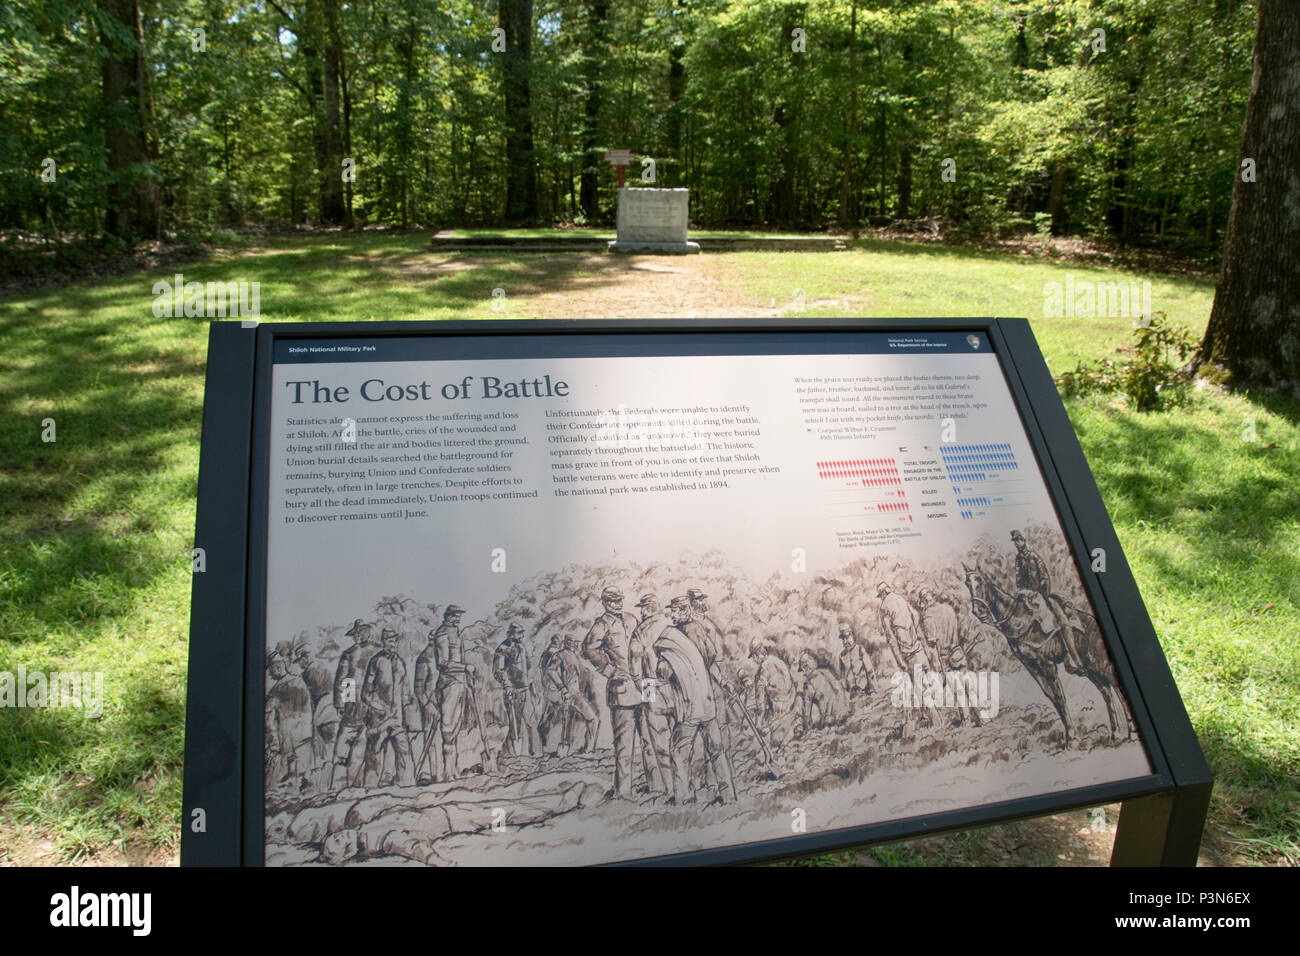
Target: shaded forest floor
[
  {"x": 96, "y": 528},
  {"x": 28, "y": 263}
]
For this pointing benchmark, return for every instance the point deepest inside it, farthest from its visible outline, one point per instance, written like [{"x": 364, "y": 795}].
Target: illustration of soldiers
[
  {"x": 320, "y": 686},
  {"x": 855, "y": 664},
  {"x": 385, "y": 695},
  {"x": 451, "y": 688},
  {"x": 348, "y": 676},
  {"x": 510, "y": 668},
  {"x": 555, "y": 699},
  {"x": 939, "y": 625},
  {"x": 608, "y": 648},
  {"x": 899, "y": 621},
  {"x": 581, "y": 695},
  {"x": 426, "y": 676},
  {"x": 823, "y": 701},
  {"x": 695, "y": 711},
  {"x": 707, "y": 633},
  {"x": 1032, "y": 575},
  {"x": 773, "y": 688},
  {"x": 288, "y": 708},
  {"x": 653, "y": 714}
]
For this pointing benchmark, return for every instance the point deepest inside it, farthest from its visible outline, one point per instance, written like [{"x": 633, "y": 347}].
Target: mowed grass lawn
[{"x": 96, "y": 527}]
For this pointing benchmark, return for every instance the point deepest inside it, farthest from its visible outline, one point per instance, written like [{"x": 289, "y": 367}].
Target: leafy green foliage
[
  {"x": 1041, "y": 115},
  {"x": 1154, "y": 378}
]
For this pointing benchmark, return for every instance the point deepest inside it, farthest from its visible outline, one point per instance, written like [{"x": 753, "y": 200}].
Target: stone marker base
[{"x": 653, "y": 248}]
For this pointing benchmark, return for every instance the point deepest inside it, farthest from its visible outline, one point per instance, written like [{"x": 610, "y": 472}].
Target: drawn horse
[{"x": 1041, "y": 653}]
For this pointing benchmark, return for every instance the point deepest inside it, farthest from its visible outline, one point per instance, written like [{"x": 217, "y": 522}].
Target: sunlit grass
[{"x": 96, "y": 528}]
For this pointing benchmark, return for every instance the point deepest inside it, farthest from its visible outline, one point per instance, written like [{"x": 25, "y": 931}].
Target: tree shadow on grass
[{"x": 98, "y": 778}]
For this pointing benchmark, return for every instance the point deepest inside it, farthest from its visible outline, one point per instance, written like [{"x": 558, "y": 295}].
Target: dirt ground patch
[
  {"x": 29, "y": 846},
  {"x": 572, "y": 285}
]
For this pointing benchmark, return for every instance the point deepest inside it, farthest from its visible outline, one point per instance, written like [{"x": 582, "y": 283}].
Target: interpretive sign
[
  {"x": 599, "y": 592},
  {"x": 620, "y": 158}
]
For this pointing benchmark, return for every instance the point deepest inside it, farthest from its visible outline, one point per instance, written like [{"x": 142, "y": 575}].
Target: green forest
[{"x": 1111, "y": 119}]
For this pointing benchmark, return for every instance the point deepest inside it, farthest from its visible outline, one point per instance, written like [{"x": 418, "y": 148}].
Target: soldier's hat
[
  {"x": 846, "y": 632},
  {"x": 647, "y": 600},
  {"x": 387, "y": 633},
  {"x": 285, "y": 649},
  {"x": 452, "y": 609},
  {"x": 611, "y": 594},
  {"x": 681, "y": 602},
  {"x": 357, "y": 627},
  {"x": 272, "y": 655},
  {"x": 1017, "y": 536},
  {"x": 514, "y": 629},
  {"x": 695, "y": 594}
]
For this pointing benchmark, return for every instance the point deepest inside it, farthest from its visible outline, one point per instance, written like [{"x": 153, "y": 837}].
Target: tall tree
[
  {"x": 676, "y": 90},
  {"x": 592, "y": 58},
  {"x": 1254, "y": 328},
  {"x": 851, "y": 126},
  {"x": 332, "y": 206},
  {"x": 134, "y": 200},
  {"x": 516, "y": 19},
  {"x": 785, "y": 118}
]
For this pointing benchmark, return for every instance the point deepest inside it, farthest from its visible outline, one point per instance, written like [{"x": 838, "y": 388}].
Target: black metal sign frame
[{"x": 1162, "y": 816}]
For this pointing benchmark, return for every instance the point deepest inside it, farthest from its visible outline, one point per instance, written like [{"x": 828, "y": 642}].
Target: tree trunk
[
  {"x": 332, "y": 211},
  {"x": 1254, "y": 328},
  {"x": 1056, "y": 199},
  {"x": 516, "y": 19},
  {"x": 881, "y": 130},
  {"x": 405, "y": 144},
  {"x": 593, "y": 56},
  {"x": 851, "y": 130},
  {"x": 347, "y": 138},
  {"x": 134, "y": 201},
  {"x": 784, "y": 117},
  {"x": 676, "y": 89},
  {"x": 904, "y": 204}
]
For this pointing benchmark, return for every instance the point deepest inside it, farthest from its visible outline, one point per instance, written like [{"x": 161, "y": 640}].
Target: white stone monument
[{"x": 653, "y": 221}]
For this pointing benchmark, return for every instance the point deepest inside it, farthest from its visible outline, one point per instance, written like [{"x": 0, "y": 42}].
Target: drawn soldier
[
  {"x": 288, "y": 707},
  {"x": 320, "y": 686},
  {"x": 899, "y": 621},
  {"x": 1032, "y": 575},
  {"x": 426, "y": 676},
  {"x": 608, "y": 648},
  {"x": 510, "y": 668},
  {"x": 711, "y": 634},
  {"x": 653, "y": 714},
  {"x": 349, "y": 674},
  {"x": 451, "y": 688},
  {"x": 707, "y": 633},
  {"x": 774, "y": 690},
  {"x": 939, "y": 625},
  {"x": 555, "y": 699},
  {"x": 385, "y": 695},
  {"x": 581, "y": 695},
  {"x": 855, "y": 664},
  {"x": 695, "y": 712},
  {"x": 823, "y": 701}
]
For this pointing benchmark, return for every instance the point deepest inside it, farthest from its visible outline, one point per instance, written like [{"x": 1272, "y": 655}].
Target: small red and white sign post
[{"x": 620, "y": 158}]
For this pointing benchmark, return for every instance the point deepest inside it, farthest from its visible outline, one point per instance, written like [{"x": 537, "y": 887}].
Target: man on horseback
[{"x": 1032, "y": 575}]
